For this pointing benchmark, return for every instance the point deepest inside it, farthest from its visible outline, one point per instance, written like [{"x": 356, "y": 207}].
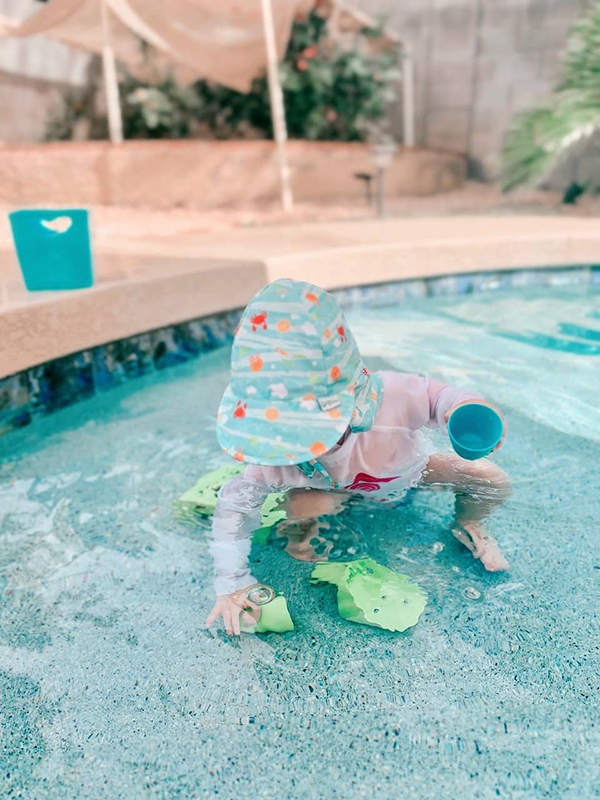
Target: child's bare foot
[
  {"x": 482, "y": 545},
  {"x": 304, "y": 540}
]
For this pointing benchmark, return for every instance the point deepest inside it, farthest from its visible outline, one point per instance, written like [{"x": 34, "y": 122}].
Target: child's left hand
[
  {"x": 481, "y": 402},
  {"x": 234, "y": 608}
]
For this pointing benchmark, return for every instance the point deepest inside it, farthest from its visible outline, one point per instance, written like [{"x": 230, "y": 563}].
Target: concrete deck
[{"x": 148, "y": 281}]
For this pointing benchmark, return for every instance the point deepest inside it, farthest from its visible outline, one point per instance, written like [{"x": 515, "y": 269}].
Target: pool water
[{"x": 112, "y": 688}]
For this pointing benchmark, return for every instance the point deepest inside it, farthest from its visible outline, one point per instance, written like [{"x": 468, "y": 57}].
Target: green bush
[
  {"x": 329, "y": 94},
  {"x": 541, "y": 138},
  {"x": 161, "y": 111}
]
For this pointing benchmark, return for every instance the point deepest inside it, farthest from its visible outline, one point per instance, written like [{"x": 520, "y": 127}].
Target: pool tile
[
  {"x": 14, "y": 402},
  {"x": 59, "y": 383}
]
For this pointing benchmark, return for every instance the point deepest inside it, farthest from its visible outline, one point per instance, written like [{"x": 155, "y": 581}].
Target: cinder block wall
[{"x": 478, "y": 62}]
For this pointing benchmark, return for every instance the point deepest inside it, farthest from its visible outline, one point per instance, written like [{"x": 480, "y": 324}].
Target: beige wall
[{"x": 478, "y": 62}]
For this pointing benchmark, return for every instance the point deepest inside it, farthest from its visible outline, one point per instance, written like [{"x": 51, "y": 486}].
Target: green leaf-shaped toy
[
  {"x": 201, "y": 500},
  {"x": 273, "y": 617},
  {"x": 373, "y": 595},
  {"x": 271, "y": 512}
]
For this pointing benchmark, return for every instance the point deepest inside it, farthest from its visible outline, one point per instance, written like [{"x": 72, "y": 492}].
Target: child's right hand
[
  {"x": 231, "y": 607},
  {"x": 481, "y": 402}
]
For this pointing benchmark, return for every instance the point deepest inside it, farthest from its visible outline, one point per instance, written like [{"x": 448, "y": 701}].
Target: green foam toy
[
  {"x": 201, "y": 501},
  {"x": 270, "y": 514},
  {"x": 202, "y": 498},
  {"x": 373, "y": 595},
  {"x": 274, "y": 617}
]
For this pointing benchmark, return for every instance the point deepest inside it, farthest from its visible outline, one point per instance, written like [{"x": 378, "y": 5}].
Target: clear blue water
[{"x": 112, "y": 688}]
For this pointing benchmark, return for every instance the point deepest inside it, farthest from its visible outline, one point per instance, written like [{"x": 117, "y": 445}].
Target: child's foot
[
  {"x": 482, "y": 545},
  {"x": 304, "y": 542}
]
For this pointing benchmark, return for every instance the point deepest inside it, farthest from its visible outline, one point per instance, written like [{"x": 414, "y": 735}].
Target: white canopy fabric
[{"x": 222, "y": 41}]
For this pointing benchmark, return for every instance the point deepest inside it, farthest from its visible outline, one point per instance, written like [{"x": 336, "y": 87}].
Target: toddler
[{"x": 302, "y": 411}]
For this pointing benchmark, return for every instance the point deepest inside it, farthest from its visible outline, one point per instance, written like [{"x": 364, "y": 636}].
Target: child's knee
[
  {"x": 485, "y": 475},
  {"x": 499, "y": 478}
]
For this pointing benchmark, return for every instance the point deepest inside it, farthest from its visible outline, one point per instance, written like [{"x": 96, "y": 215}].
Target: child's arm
[
  {"x": 444, "y": 399},
  {"x": 236, "y": 517},
  {"x": 416, "y": 401}
]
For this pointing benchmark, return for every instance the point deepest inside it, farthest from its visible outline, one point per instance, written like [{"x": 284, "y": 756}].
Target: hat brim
[{"x": 275, "y": 432}]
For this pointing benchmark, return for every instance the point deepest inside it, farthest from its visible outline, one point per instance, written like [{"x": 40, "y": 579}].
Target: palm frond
[{"x": 540, "y": 139}]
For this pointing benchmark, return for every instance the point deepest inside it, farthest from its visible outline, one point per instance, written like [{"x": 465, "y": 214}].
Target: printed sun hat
[{"x": 297, "y": 379}]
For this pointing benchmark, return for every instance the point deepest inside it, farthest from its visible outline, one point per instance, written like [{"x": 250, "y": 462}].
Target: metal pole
[
  {"x": 111, "y": 82},
  {"x": 408, "y": 98},
  {"x": 381, "y": 191},
  {"x": 277, "y": 108}
]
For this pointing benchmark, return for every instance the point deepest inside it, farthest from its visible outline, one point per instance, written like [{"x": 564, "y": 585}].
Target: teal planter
[{"x": 53, "y": 248}]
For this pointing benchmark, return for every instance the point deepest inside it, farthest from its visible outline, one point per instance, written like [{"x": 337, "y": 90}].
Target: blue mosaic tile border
[
  {"x": 59, "y": 383},
  {"x": 384, "y": 294}
]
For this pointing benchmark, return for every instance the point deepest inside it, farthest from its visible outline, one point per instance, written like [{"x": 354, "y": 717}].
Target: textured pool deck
[{"x": 157, "y": 278}]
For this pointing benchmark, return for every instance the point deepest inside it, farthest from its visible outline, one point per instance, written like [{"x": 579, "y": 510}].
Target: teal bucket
[
  {"x": 53, "y": 248},
  {"x": 474, "y": 430}
]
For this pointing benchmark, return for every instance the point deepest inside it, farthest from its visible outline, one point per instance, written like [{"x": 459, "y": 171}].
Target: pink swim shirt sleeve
[{"x": 416, "y": 401}]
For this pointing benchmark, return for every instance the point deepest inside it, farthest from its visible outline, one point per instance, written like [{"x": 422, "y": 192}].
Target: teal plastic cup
[
  {"x": 53, "y": 248},
  {"x": 474, "y": 430}
]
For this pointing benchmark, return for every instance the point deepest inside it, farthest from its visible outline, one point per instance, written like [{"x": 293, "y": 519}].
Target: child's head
[{"x": 297, "y": 378}]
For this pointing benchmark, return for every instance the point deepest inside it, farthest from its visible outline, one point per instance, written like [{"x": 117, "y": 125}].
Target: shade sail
[{"x": 222, "y": 41}]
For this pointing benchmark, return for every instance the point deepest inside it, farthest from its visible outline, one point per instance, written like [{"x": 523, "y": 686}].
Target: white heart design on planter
[{"x": 58, "y": 225}]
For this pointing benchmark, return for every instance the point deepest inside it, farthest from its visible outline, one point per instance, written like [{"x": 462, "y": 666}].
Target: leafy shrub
[
  {"x": 541, "y": 138},
  {"x": 161, "y": 111}
]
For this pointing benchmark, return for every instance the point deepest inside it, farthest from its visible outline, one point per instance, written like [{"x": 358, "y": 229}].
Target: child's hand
[
  {"x": 481, "y": 402},
  {"x": 231, "y": 607}
]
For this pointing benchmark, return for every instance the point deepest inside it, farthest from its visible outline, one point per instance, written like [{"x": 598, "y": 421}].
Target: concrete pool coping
[{"x": 149, "y": 283}]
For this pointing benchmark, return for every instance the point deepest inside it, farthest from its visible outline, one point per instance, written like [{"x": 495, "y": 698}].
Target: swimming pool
[{"x": 112, "y": 688}]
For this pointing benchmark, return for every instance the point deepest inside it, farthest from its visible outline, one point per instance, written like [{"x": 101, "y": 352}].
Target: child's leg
[
  {"x": 313, "y": 503},
  {"x": 479, "y": 487},
  {"x": 303, "y": 540}
]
